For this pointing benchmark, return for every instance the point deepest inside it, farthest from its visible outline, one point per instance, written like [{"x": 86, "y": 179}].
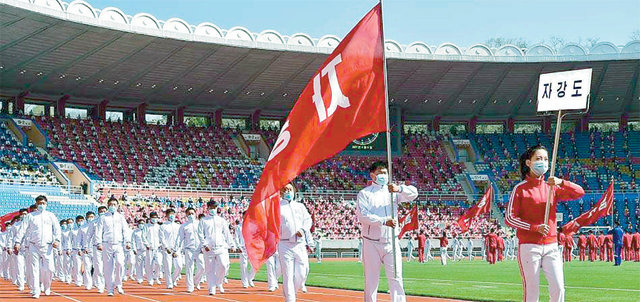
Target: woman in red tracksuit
[{"x": 538, "y": 246}]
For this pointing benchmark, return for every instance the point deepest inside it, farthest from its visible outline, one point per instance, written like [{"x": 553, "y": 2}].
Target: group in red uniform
[{"x": 600, "y": 247}]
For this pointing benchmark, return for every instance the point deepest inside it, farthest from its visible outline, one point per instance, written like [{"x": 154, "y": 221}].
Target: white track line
[
  {"x": 485, "y": 282},
  {"x": 61, "y": 295}
]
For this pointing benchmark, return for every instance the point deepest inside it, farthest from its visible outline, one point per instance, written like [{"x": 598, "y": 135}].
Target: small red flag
[
  {"x": 601, "y": 209},
  {"x": 410, "y": 221},
  {"x": 343, "y": 101},
  {"x": 480, "y": 208}
]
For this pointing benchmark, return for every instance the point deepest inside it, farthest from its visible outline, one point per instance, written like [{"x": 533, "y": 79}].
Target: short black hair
[
  {"x": 101, "y": 207},
  {"x": 90, "y": 213},
  {"x": 169, "y": 210},
  {"x": 190, "y": 209},
  {"x": 41, "y": 198},
  {"x": 376, "y": 165},
  {"x": 79, "y": 217},
  {"x": 212, "y": 204},
  {"x": 153, "y": 214},
  {"x": 22, "y": 210}
]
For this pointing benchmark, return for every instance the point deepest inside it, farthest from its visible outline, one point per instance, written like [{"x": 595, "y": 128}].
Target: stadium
[{"x": 97, "y": 105}]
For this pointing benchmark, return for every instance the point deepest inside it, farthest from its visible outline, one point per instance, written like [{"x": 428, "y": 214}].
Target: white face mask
[
  {"x": 382, "y": 179},
  {"x": 540, "y": 167}
]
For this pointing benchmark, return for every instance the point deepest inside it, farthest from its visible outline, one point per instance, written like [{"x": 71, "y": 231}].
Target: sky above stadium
[{"x": 462, "y": 22}]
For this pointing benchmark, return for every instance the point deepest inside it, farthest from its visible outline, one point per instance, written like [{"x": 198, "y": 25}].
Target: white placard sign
[
  {"x": 65, "y": 166},
  {"x": 251, "y": 136},
  {"x": 566, "y": 90},
  {"x": 23, "y": 122},
  {"x": 479, "y": 177}
]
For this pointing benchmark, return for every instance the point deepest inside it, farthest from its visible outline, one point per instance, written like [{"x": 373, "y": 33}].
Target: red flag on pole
[
  {"x": 343, "y": 101},
  {"x": 411, "y": 221},
  {"x": 601, "y": 209},
  {"x": 480, "y": 208}
]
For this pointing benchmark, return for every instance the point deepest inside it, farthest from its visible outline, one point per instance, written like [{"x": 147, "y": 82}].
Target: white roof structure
[{"x": 52, "y": 48}]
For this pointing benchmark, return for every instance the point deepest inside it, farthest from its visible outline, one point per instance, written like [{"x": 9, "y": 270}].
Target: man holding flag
[
  {"x": 377, "y": 225},
  {"x": 344, "y": 101}
]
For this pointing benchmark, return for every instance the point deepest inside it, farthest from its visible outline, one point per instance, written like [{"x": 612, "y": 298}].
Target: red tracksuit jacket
[{"x": 525, "y": 210}]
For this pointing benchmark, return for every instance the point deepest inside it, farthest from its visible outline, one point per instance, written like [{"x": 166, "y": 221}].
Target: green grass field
[{"x": 477, "y": 280}]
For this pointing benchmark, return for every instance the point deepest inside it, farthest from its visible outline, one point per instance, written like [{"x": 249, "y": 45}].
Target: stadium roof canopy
[{"x": 52, "y": 48}]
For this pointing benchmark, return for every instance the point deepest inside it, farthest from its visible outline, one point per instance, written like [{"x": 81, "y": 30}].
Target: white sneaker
[
  {"x": 110, "y": 294},
  {"x": 21, "y": 288},
  {"x": 245, "y": 286},
  {"x": 251, "y": 284},
  {"x": 226, "y": 281},
  {"x": 221, "y": 289},
  {"x": 151, "y": 282},
  {"x": 190, "y": 290},
  {"x": 36, "y": 296},
  {"x": 272, "y": 289},
  {"x": 47, "y": 292},
  {"x": 198, "y": 287},
  {"x": 304, "y": 289},
  {"x": 120, "y": 290},
  {"x": 212, "y": 292},
  {"x": 100, "y": 290}
]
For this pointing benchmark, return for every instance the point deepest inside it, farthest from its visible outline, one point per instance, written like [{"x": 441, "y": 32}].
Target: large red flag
[
  {"x": 601, "y": 209},
  {"x": 343, "y": 101},
  {"x": 411, "y": 224},
  {"x": 480, "y": 208}
]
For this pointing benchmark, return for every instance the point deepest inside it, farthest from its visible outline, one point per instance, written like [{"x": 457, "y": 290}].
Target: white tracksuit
[
  {"x": 67, "y": 260},
  {"x": 40, "y": 231},
  {"x": 129, "y": 257},
  {"x": 110, "y": 231},
  {"x": 294, "y": 259},
  {"x": 246, "y": 271},
  {"x": 151, "y": 240},
  {"x": 188, "y": 242},
  {"x": 80, "y": 251},
  {"x": 140, "y": 252},
  {"x": 95, "y": 254},
  {"x": 168, "y": 237},
  {"x": 274, "y": 270},
  {"x": 213, "y": 232},
  {"x": 373, "y": 210}
]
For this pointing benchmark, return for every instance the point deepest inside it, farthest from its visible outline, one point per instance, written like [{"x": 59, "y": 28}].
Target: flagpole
[
  {"x": 388, "y": 135},
  {"x": 554, "y": 156}
]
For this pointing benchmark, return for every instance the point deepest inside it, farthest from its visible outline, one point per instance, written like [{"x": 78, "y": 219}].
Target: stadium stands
[{"x": 21, "y": 163}]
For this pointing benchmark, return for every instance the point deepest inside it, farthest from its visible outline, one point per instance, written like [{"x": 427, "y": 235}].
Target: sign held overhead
[{"x": 566, "y": 90}]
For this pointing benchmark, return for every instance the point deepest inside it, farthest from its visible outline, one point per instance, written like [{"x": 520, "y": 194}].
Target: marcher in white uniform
[
  {"x": 20, "y": 256},
  {"x": 427, "y": 250},
  {"x": 96, "y": 255},
  {"x": 151, "y": 240},
  {"x": 129, "y": 255},
  {"x": 375, "y": 216},
  {"x": 469, "y": 244},
  {"x": 246, "y": 271},
  {"x": 168, "y": 237},
  {"x": 294, "y": 222},
  {"x": 139, "y": 250},
  {"x": 457, "y": 248},
  {"x": 109, "y": 234},
  {"x": 216, "y": 240},
  {"x": 410, "y": 248},
  {"x": 318, "y": 250},
  {"x": 187, "y": 241},
  {"x": 65, "y": 246},
  {"x": 77, "y": 246},
  {"x": 86, "y": 250},
  {"x": 274, "y": 271},
  {"x": 42, "y": 232}
]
